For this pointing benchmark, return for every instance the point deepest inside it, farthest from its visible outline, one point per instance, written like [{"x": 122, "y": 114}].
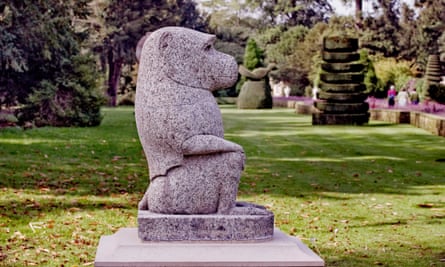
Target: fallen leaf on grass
[
  {"x": 44, "y": 189},
  {"x": 34, "y": 204},
  {"x": 74, "y": 209},
  {"x": 268, "y": 205},
  {"x": 18, "y": 235},
  {"x": 50, "y": 224},
  {"x": 284, "y": 221},
  {"x": 28, "y": 174},
  {"x": 54, "y": 236},
  {"x": 42, "y": 250}
]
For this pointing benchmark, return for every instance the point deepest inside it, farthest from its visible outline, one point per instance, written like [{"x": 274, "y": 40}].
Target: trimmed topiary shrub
[
  {"x": 255, "y": 95},
  {"x": 432, "y": 89},
  {"x": 342, "y": 98},
  {"x": 253, "y": 56},
  {"x": 256, "y": 91}
]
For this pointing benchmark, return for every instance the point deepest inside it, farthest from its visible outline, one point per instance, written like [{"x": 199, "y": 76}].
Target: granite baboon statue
[{"x": 193, "y": 169}]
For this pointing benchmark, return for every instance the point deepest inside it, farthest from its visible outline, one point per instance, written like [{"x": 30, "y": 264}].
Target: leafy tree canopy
[
  {"x": 292, "y": 12},
  {"x": 127, "y": 21}
]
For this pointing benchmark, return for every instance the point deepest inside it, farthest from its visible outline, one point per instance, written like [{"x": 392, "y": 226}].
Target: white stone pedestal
[{"x": 124, "y": 248}]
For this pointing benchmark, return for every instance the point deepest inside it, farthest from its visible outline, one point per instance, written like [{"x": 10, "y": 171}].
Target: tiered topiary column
[
  {"x": 433, "y": 76},
  {"x": 342, "y": 98}
]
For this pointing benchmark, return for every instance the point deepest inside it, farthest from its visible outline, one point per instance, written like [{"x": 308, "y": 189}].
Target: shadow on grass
[
  {"x": 78, "y": 169},
  {"x": 23, "y": 210},
  {"x": 379, "y": 257},
  {"x": 76, "y": 162},
  {"x": 379, "y": 124},
  {"x": 285, "y": 151},
  {"x": 51, "y": 173},
  {"x": 282, "y": 149}
]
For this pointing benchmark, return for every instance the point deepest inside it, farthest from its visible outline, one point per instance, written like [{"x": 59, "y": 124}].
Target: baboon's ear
[
  {"x": 140, "y": 45},
  {"x": 164, "y": 41}
]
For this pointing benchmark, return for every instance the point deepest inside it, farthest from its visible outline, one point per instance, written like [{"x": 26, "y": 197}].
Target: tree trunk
[
  {"x": 359, "y": 12},
  {"x": 113, "y": 80}
]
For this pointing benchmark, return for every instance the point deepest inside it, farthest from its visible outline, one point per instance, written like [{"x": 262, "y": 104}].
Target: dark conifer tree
[{"x": 40, "y": 49}]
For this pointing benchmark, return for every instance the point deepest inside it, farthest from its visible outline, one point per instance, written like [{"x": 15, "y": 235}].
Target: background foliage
[
  {"x": 42, "y": 66},
  {"x": 41, "y": 42}
]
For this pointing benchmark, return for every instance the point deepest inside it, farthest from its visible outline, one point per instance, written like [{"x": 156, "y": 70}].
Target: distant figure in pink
[{"x": 392, "y": 96}]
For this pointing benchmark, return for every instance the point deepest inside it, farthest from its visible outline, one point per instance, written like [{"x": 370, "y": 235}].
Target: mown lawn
[{"x": 358, "y": 196}]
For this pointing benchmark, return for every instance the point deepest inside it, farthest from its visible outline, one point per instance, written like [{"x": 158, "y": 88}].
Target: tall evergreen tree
[
  {"x": 253, "y": 57},
  {"x": 40, "y": 45}
]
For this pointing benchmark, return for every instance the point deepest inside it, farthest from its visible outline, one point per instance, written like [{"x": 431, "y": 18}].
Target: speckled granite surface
[{"x": 194, "y": 171}]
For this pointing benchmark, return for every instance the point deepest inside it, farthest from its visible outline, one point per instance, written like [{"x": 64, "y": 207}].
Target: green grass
[{"x": 357, "y": 196}]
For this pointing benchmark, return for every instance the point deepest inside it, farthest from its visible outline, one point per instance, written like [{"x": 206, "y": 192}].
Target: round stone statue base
[{"x": 248, "y": 222}]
